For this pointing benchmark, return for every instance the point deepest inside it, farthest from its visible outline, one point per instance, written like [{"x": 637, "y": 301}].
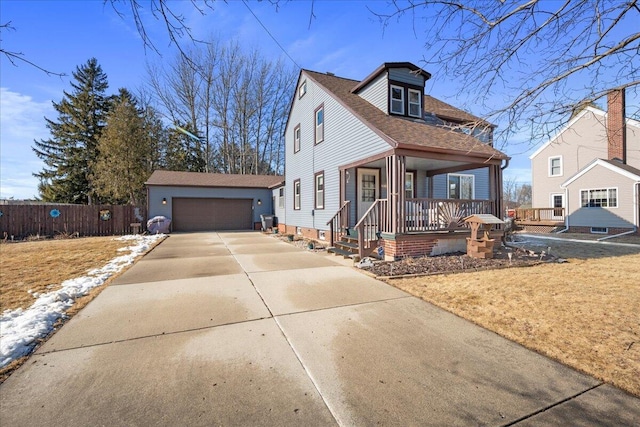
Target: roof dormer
[{"x": 396, "y": 88}]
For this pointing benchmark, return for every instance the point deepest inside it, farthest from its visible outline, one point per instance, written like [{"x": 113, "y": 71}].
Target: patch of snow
[{"x": 21, "y": 329}]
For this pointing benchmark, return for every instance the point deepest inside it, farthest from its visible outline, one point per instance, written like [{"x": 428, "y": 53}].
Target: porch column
[
  {"x": 495, "y": 189},
  {"x": 396, "y": 168}
]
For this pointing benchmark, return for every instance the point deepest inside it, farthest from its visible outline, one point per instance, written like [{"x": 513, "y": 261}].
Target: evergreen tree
[
  {"x": 126, "y": 152},
  {"x": 70, "y": 153}
]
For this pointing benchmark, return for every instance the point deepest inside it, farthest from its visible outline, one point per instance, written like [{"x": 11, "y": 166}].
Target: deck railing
[
  {"x": 539, "y": 214},
  {"x": 442, "y": 214},
  {"x": 339, "y": 223}
]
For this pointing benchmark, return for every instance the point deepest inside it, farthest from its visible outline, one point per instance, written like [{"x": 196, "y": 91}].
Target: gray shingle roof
[
  {"x": 402, "y": 132},
  {"x": 200, "y": 179}
]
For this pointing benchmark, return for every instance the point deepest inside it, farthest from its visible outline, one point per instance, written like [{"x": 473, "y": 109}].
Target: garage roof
[{"x": 200, "y": 179}]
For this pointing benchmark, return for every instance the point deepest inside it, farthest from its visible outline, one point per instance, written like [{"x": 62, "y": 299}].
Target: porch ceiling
[{"x": 415, "y": 163}]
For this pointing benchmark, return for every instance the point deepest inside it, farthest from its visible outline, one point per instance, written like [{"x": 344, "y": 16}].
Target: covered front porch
[{"x": 414, "y": 204}]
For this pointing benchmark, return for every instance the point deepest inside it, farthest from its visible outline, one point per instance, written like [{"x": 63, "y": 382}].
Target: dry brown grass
[
  {"x": 41, "y": 266},
  {"x": 583, "y": 313}
]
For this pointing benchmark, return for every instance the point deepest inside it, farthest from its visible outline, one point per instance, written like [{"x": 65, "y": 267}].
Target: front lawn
[{"x": 584, "y": 313}]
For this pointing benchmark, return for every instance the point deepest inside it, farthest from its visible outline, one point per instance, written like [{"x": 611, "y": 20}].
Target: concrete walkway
[{"x": 242, "y": 329}]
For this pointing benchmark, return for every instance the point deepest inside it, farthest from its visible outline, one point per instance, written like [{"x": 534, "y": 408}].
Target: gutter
[{"x": 566, "y": 216}]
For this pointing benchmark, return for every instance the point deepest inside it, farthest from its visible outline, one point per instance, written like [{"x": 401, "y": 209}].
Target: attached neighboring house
[
  {"x": 587, "y": 177},
  {"x": 381, "y": 160},
  {"x": 210, "y": 201}
]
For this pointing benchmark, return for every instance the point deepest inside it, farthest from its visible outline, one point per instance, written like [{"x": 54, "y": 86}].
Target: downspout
[{"x": 566, "y": 215}]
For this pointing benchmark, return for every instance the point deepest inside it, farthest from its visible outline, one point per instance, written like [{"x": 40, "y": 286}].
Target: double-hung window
[
  {"x": 302, "y": 90},
  {"x": 397, "y": 99},
  {"x": 461, "y": 186},
  {"x": 296, "y": 194},
  {"x": 319, "y": 124},
  {"x": 319, "y": 179},
  {"x": 555, "y": 166},
  {"x": 296, "y": 139},
  {"x": 281, "y": 197},
  {"x": 409, "y": 185},
  {"x": 599, "y": 198},
  {"x": 415, "y": 103}
]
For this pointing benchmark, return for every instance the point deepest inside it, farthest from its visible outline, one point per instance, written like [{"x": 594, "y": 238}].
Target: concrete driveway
[{"x": 242, "y": 329}]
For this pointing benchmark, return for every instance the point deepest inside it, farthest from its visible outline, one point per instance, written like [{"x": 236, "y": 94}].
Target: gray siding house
[
  {"x": 587, "y": 177},
  {"x": 210, "y": 201},
  {"x": 381, "y": 161}
]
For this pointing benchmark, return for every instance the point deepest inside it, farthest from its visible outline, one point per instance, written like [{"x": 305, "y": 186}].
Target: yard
[
  {"x": 583, "y": 313},
  {"x": 44, "y": 282}
]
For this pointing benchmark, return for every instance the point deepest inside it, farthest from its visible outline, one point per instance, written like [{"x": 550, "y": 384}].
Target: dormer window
[
  {"x": 397, "y": 99},
  {"x": 415, "y": 103}
]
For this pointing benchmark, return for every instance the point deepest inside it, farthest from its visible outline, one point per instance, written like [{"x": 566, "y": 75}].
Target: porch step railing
[
  {"x": 374, "y": 221},
  {"x": 338, "y": 223}
]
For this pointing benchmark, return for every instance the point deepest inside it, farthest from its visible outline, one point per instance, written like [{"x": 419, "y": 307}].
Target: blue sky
[{"x": 344, "y": 38}]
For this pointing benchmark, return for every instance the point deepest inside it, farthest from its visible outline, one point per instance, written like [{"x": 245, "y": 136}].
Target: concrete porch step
[{"x": 337, "y": 251}]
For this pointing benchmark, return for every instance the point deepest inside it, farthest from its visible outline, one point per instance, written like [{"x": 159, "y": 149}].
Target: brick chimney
[{"x": 616, "y": 128}]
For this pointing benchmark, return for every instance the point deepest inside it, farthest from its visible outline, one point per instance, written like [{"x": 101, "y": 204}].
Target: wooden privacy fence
[{"x": 21, "y": 221}]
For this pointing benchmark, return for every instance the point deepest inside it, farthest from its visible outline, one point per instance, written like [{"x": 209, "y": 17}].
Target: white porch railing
[{"x": 339, "y": 223}]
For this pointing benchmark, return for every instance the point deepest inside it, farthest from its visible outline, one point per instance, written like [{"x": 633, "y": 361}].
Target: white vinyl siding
[
  {"x": 346, "y": 140},
  {"x": 377, "y": 93}
]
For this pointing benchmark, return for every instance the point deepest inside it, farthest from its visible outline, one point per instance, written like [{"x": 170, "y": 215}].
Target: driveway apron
[{"x": 239, "y": 328}]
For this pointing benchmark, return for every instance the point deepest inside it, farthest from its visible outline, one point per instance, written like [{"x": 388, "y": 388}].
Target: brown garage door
[{"x": 190, "y": 214}]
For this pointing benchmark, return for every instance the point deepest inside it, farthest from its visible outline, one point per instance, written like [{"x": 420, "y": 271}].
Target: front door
[
  {"x": 557, "y": 202},
  {"x": 368, "y": 189}
]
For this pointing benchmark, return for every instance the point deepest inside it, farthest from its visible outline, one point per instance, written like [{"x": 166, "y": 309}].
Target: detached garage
[{"x": 210, "y": 201}]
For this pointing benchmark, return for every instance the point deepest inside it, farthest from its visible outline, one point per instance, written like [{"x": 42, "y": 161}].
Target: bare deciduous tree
[
  {"x": 15, "y": 57},
  {"x": 237, "y": 103},
  {"x": 516, "y": 194},
  {"x": 530, "y": 62}
]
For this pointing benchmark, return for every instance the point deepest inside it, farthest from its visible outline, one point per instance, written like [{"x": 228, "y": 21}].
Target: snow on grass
[{"x": 20, "y": 329}]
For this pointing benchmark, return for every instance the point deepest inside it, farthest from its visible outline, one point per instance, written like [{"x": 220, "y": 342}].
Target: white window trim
[
  {"x": 606, "y": 230},
  {"x": 319, "y": 205},
  {"x": 391, "y": 99},
  {"x": 473, "y": 187},
  {"x": 302, "y": 90},
  {"x": 296, "y": 138},
  {"x": 281, "y": 198},
  {"x": 601, "y": 188},
  {"x": 419, "y": 115},
  {"x": 319, "y": 127},
  {"x": 413, "y": 184},
  {"x": 297, "y": 198},
  {"x": 551, "y": 169}
]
